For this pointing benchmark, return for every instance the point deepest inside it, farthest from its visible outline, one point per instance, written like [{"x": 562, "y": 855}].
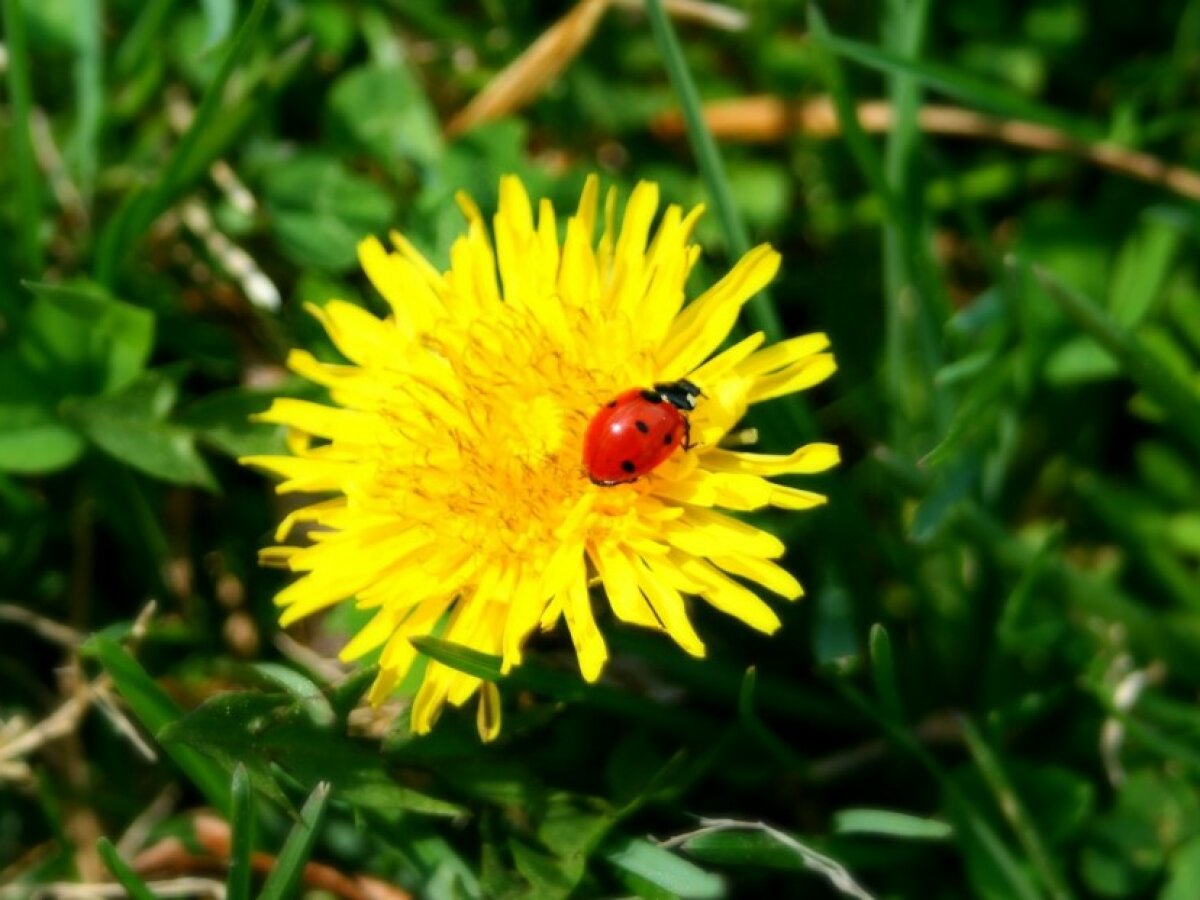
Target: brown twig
[
  {"x": 765, "y": 119},
  {"x": 170, "y": 857}
]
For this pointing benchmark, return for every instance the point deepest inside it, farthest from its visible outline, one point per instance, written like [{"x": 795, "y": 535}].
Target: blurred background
[{"x": 990, "y": 689}]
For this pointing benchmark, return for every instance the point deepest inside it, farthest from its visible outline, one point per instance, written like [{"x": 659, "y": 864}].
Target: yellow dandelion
[{"x": 454, "y": 445}]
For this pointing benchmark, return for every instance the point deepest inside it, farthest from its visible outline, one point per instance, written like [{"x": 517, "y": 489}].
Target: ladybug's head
[{"x": 681, "y": 394}]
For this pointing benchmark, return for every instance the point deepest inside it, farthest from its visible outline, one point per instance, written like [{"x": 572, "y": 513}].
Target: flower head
[{"x": 453, "y": 446}]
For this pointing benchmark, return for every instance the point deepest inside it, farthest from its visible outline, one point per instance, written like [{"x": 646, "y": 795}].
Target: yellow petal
[
  {"x": 770, "y": 575},
  {"x": 577, "y": 609},
  {"x": 413, "y": 301},
  {"x": 807, "y": 460},
  {"x": 704, "y": 323},
  {"x": 620, "y": 584},
  {"x": 729, "y": 597},
  {"x": 704, "y": 532},
  {"x": 668, "y": 607}
]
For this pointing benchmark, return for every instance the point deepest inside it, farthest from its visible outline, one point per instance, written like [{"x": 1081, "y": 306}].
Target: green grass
[{"x": 990, "y": 687}]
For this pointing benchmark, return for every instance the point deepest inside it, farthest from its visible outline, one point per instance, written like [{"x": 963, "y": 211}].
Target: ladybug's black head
[{"x": 681, "y": 394}]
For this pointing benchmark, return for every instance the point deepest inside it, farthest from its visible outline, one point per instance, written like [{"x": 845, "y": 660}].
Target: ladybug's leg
[{"x": 687, "y": 435}]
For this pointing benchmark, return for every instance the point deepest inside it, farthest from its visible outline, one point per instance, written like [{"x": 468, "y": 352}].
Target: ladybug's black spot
[
  {"x": 628, "y": 466},
  {"x": 641, "y": 426},
  {"x": 668, "y": 437},
  {"x": 611, "y": 404},
  {"x": 652, "y": 396}
]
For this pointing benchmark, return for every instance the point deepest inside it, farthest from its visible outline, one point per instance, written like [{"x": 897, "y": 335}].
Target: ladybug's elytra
[{"x": 637, "y": 430}]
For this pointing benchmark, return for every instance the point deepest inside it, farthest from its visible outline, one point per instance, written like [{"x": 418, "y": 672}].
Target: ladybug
[{"x": 637, "y": 430}]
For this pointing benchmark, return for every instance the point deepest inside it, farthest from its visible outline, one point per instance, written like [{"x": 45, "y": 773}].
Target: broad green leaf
[
  {"x": 156, "y": 711},
  {"x": 662, "y": 868},
  {"x": 289, "y": 865},
  {"x": 78, "y": 340},
  {"x": 1183, "y": 873},
  {"x": 890, "y": 823},
  {"x": 385, "y": 111},
  {"x": 266, "y": 730},
  {"x": 34, "y": 441},
  {"x": 320, "y": 211},
  {"x": 131, "y": 427},
  {"x": 222, "y": 420}
]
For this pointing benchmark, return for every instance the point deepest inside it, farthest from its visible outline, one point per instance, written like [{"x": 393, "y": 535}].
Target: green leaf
[
  {"x": 219, "y": 15},
  {"x": 78, "y": 340},
  {"x": 756, "y": 844},
  {"x": 1183, "y": 867},
  {"x": 384, "y": 110},
  {"x": 289, "y": 865},
  {"x": 266, "y": 730},
  {"x": 222, "y": 420},
  {"x": 128, "y": 879},
  {"x": 889, "y": 823},
  {"x": 1080, "y": 360},
  {"x": 662, "y": 868},
  {"x": 320, "y": 211},
  {"x": 1177, "y": 398},
  {"x": 241, "y": 822},
  {"x": 1141, "y": 271},
  {"x": 156, "y": 711},
  {"x": 33, "y": 439},
  {"x": 131, "y": 427}
]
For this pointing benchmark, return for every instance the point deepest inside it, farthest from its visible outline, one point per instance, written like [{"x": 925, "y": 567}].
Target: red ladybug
[{"x": 637, "y": 430}]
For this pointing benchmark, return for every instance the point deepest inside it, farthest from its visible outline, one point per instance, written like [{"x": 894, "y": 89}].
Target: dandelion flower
[{"x": 452, "y": 447}]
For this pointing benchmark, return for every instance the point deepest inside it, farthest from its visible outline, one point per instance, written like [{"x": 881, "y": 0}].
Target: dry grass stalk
[
  {"x": 765, "y": 119},
  {"x": 170, "y": 857},
  {"x": 526, "y": 77}
]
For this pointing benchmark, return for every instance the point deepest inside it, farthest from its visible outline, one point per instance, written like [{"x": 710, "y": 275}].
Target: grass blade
[
  {"x": 241, "y": 822},
  {"x": 289, "y": 865},
  {"x": 140, "y": 209},
  {"x": 1015, "y": 813},
  {"x": 890, "y": 823},
  {"x": 126, "y": 877},
  {"x": 20, "y": 95},
  {"x": 975, "y": 826},
  {"x": 857, "y": 142},
  {"x": 977, "y": 92},
  {"x": 84, "y": 150},
  {"x": 760, "y": 311},
  {"x": 155, "y": 710},
  {"x": 1177, "y": 398},
  {"x": 883, "y": 671}
]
